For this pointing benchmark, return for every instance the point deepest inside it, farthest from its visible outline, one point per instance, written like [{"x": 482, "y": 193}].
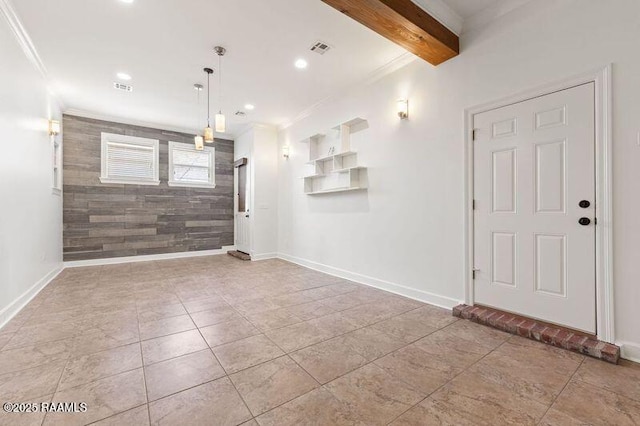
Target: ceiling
[
  {"x": 164, "y": 45},
  {"x": 467, "y": 8}
]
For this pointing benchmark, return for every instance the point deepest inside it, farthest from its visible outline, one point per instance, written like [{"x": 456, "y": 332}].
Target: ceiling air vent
[
  {"x": 320, "y": 47},
  {"x": 123, "y": 87},
  {"x": 241, "y": 113}
]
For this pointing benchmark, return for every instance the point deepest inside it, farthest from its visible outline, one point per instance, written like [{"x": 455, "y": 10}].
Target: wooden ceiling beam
[{"x": 404, "y": 23}]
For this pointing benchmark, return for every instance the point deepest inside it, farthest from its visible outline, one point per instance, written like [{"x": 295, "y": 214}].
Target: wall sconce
[
  {"x": 54, "y": 127},
  {"x": 403, "y": 109},
  {"x": 285, "y": 151}
]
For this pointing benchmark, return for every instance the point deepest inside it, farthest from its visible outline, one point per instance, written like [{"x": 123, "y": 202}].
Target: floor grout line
[{"x": 562, "y": 390}]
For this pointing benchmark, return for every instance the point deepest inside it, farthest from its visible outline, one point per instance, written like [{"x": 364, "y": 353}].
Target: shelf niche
[{"x": 333, "y": 166}]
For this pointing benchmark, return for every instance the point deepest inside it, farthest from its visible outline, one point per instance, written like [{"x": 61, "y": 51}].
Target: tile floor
[{"x": 219, "y": 341}]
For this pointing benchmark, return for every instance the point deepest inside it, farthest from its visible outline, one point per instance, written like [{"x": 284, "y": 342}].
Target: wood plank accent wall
[{"x": 114, "y": 220}]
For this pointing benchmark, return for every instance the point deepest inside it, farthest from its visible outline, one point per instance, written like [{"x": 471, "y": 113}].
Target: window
[
  {"x": 129, "y": 160},
  {"x": 190, "y": 167}
]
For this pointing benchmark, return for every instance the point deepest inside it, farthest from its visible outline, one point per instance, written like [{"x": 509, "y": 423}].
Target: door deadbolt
[{"x": 584, "y": 204}]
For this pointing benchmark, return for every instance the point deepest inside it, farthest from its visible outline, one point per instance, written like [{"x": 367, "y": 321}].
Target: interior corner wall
[
  {"x": 260, "y": 144},
  {"x": 406, "y": 233},
  {"x": 31, "y": 214}
]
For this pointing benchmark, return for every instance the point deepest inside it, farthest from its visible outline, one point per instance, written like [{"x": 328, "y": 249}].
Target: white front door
[
  {"x": 534, "y": 196},
  {"x": 242, "y": 208}
]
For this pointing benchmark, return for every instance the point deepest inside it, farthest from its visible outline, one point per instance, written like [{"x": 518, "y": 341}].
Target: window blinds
[{"x": 130, "y": 161}]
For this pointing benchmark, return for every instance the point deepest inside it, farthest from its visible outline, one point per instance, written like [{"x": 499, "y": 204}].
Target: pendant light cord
[
  {"x": 220, "y": 79},
  {"x": 208, "y": 99}
]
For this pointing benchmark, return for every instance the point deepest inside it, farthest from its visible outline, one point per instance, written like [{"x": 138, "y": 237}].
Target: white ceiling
[
  {"x": 467, "y": 8},
  {"x": 165, "y": 44}
]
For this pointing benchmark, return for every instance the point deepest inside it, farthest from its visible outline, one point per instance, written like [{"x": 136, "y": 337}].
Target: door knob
[
  {"x": 584, "y": 204},
  {"x": 584, "y": 221}
]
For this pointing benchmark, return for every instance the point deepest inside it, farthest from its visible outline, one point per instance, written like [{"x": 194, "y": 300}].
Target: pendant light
[
  {"x": 198, "y": 140},
  {"x": 208, "y": 131},
  {"x": 220, "y": 118}
]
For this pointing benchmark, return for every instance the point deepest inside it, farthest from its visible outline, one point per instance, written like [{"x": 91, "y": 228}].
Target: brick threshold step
[
  {"x": 539, "y": 331},
  {"x": 239, "y": 255}
]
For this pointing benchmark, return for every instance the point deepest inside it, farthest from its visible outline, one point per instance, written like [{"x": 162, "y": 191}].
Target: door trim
[{"x": 604, "y": 189}]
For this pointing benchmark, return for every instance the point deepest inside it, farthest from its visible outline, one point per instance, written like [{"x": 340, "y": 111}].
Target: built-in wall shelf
[{"x": 333, "y": 166}]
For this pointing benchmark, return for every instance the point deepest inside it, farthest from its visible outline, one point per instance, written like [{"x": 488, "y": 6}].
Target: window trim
[
  {"x": 188, "y": 147},
  {"x": 107, "y": 138}
]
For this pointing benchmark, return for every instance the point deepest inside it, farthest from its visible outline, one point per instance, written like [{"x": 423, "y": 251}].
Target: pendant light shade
[
  {"x": 199, "y": 141},
  {"x": 208, "y": 131},
  {"x": 221, "y": 122}
]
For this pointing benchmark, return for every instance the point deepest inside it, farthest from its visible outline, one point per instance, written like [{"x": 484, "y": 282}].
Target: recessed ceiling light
[
  {"x": 249, "y": 107},
  {"x": 124, "y": 76},
  {"x": 301, "y": 64}
]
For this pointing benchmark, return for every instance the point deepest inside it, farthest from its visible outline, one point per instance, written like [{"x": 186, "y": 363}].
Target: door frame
[
  {"x": 601, "y": 77},
  {"x": 240, "y": 162}
]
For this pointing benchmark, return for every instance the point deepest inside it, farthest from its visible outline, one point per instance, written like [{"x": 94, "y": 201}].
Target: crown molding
[
  {"x": 26, "y": 44},
  {"x": 390, "y": 67}
]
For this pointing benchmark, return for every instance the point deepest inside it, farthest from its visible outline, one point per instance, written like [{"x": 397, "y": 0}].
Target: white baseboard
[
  {"x": 411, "y": 293},
  {"x": 17, "y": 305},
  {"x": 630, "y": 351},
  {"x": 146, "y": 258},
  {"x": 264, "y": 256}
]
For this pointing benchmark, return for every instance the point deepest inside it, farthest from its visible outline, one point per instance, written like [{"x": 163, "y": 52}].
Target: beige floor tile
[
  {"x": 316, "y": 408},
  {"x": 334, "y": 324},
  {"x": 368, "y": 314},
  {"x": 214, "y": 316},
  {"x": 104, "y": 398},
  {"x": 474, "y": 399},
  {"x": 374, "y": 395},
  {"x": 558, "y": 418},
  {"x": 32, "y": 356},
  {"x": 481, "y": 335},
  {"x": 297, "y": 336},
  {"x": 227, "y": 332},
  {"x": 592, "y": 405},
  {"x": 212, "y": 403},
  {"x": 177, "y": 374},
  {"x": 431, "y": 412},
  {"x": 155, "y": 313},
  {"x": 270, "y": 320},
  {"x": 529, "y": 369},
  {"x": 101, "y": 340},
  {"x": 417, "y": 368},
  {"x": 135, "y": 417},
  {"x": 165, "y": 326},
  {"x": 623, "y": 379},
  {"x": 309, "y": 311},
  {"x": 408, "y": 327},
  {"x": 371, "y": 343},
  {"x": 21, "y": 386},
  {"x": 328, "y": 360},
  {"x": 162, "y": 348},
  {"x": 92, "y": 367},
  {"x": 456, "y": 351},
  {"x": 206, "y": 304},
  {"x": 246, "y": 353},
  {"x": 271, "y": 384},
  {"x": 4, "y": 339}
]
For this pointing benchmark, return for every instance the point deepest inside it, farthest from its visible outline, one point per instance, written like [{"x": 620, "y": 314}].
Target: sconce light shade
[
  {"x": 208, "y": 134},
  {"x": 221, "y": 123},
  {"x": 403, "y": 109},
  {"x": 199, "y": 141},
  {"x": 54, "y": 127},
  {"x": 285, "y": 151}
]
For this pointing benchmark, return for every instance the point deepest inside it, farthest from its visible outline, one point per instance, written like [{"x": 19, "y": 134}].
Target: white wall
[
  {"x": 30, "y": 216},
  {"x": 406, "y": 232},
  {"x": 259, "y": 144}
]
